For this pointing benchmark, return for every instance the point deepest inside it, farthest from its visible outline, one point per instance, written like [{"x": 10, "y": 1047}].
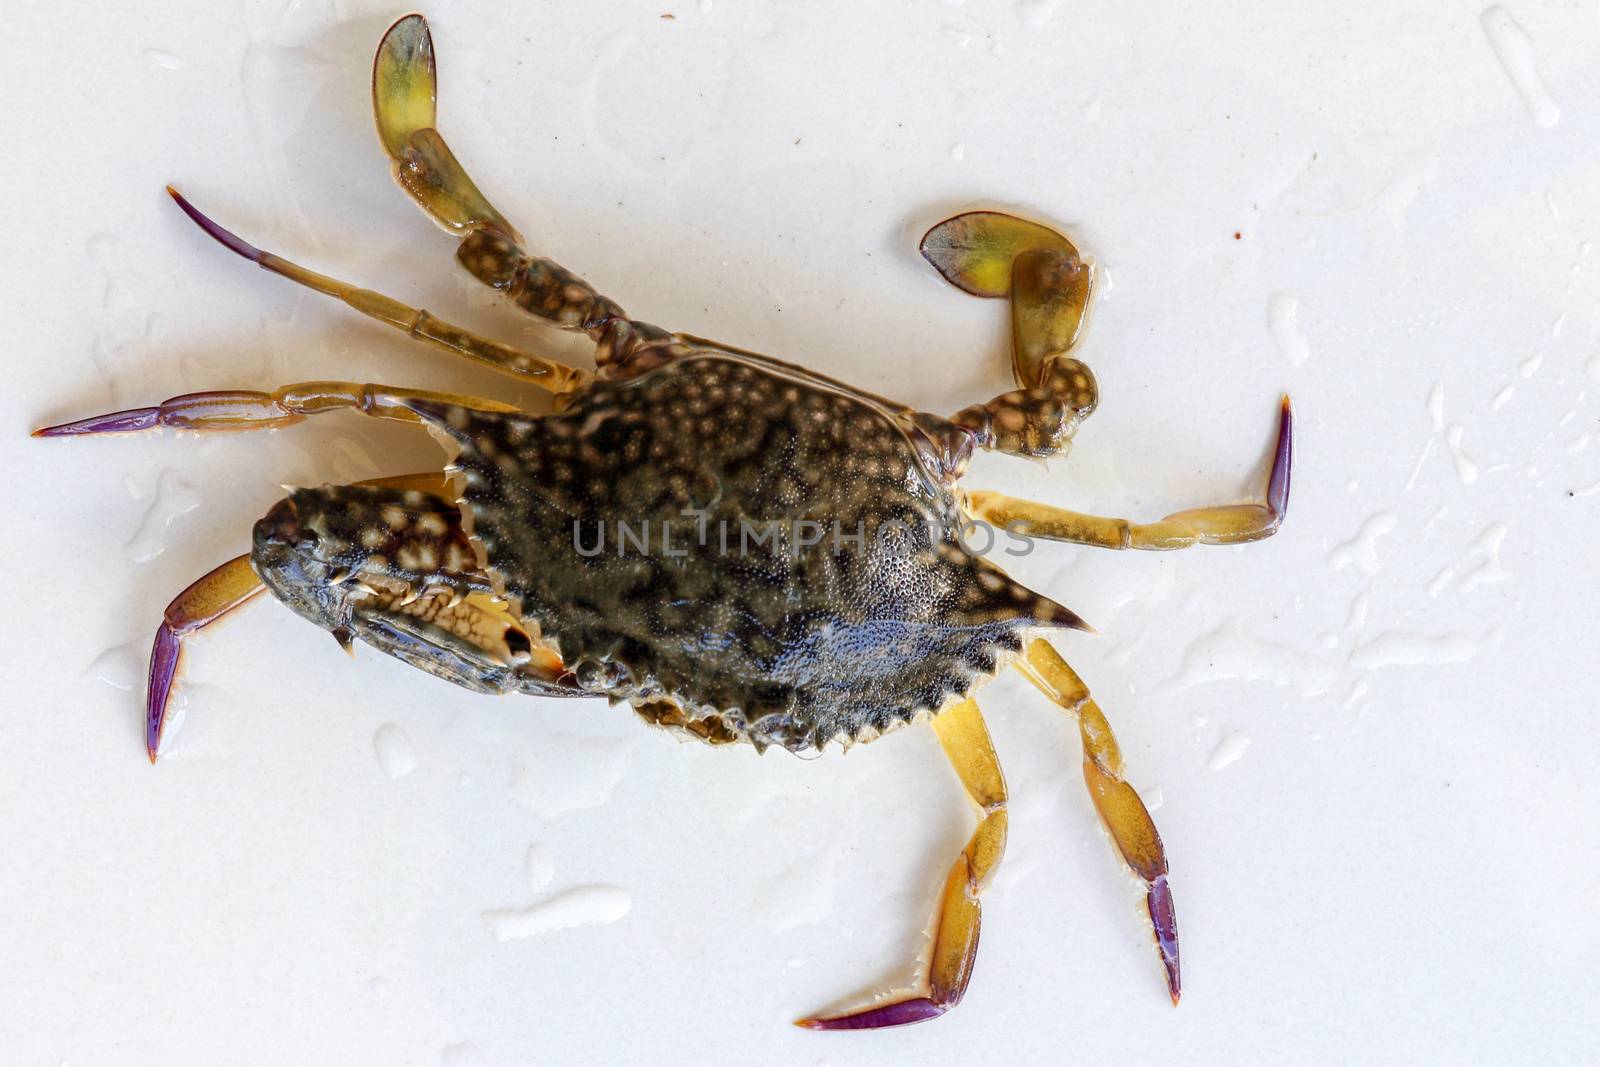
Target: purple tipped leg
[
  {"x": 203, "y": 603},
  {"x": 164, "y": 660},
  {"x": 899, "y": 1013},
  {"x": 131, "y": 421},
  {"x": 227, "y": 238},
  {"x": 1282, "y": 462},
  {"x": 1165, "y": 922}
]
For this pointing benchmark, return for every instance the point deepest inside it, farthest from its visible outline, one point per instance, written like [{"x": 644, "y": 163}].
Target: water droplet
[
  {"x": 958, "y": 152},
  {"x": 540, "y": 867},
  {"x": 462, "y": 1054},
  {"x": 1229, "y": 750},
  {"x": 1530, "y": 366},
  {"x": 162, "y": 58},
  {"x": 173, "y": 497},
  {"x": 1283, "y": 311},
  {"x": 1398, "y": 648},
  {"x": 570, "y": 776},
  {"x": 120, "y": 667},
  {"x": 1107, "y": 282},
  {"x": 396, "y": 753},
  {"x": 1466, "y": 468},
  {"x": 1592, "y": 368},
  {"x": 1227, "y": 652},
  {"x": 1035, "y": 13},
  {"x": 1441, "y": 581},
  {"x": 1488, "y": 547},
  {"x": 1359, "y": 689},
  {"x": 1153, "y": 799},
  {"x": 1436, "y": 405},
  {"x": 1502, "y": 398},
  {"x": 1362, "y": 549},
  {"x": 588, "y": 905},
  {"x": 1514, "y": 48}
]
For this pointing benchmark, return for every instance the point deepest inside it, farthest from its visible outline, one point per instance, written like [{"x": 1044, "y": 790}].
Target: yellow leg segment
[
  {"x": 1225, "y": 525},
  {"x": 434, "y": 483},
  {"x": 1120, "y": 808},
  {"x": 246, "y": 409},
  {"x": 955, "y": 938},
  {"x": 210, "y": 598}
]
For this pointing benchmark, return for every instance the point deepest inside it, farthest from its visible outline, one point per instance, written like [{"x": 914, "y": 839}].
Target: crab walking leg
[
  {"x": 558, "y": 378},
  {"x": 229, "y": 586},
  {"x": 1230, "y": 524},
  {"x": 404, "y": 89},
  {"x": 245, "y": 409},
  {"x": 955, "y": 938},
  {"x": 1119, "y": 806}
]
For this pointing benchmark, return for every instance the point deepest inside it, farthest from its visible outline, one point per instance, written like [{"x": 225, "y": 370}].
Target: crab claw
[{"x": 203, "y": 603}]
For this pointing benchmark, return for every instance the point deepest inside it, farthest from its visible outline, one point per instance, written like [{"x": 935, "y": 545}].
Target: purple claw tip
[
  {"x": 228, "y": 239},
  {"x": 1282, "y": 462},
  {"x": 163, "y": 669},
  {"x": 900, "y": 1013},
  {"x": 130, "y": 421},
  {"x": 1165, "y": 921}
]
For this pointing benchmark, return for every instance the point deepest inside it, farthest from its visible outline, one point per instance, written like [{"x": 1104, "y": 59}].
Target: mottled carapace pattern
[{"x": 759, "y": 548}]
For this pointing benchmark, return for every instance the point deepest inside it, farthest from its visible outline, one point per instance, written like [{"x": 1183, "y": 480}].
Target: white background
[{"x": 1353, "y": 202}]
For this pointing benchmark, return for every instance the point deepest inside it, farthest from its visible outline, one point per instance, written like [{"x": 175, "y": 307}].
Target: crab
[{"x": 740, "y": 549}]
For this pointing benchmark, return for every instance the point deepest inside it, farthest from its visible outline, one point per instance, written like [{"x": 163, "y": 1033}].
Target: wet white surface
[{"x": 1373, "y": 737}]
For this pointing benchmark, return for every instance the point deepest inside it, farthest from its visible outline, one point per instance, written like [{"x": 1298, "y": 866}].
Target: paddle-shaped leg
[
  {"x": 404, "y": 95},
  {"x": 203, "y": 603},
  {"x": 955, "y": 934},
  {"x": 1119, "y": 806},
  {"x": 990, "y": 254},
  {"x": 1229, "y": 524}
]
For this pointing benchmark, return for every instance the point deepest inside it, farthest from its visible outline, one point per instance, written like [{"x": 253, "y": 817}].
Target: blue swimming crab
[{"x": 740, "y": 549}]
